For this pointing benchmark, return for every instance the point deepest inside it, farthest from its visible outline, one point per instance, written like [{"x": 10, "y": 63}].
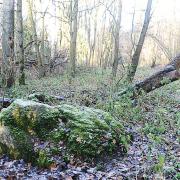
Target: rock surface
[
  {"x": 85, "y": 132},
  {"x": 88, "y": 132},
  {"x": 16, "y": 143},
  {"x": 30, "y": 116}
]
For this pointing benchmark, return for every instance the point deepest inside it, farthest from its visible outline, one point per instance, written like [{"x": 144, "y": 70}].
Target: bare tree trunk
[
  {"x": 132, "y": 32},
  {"x": 88, "y": 30},
  {"x": 94, "y": 39},
  {"x": 91, "y": 42},
  {"x": 43, "y": 38},
  {"x": 116, "y": 40},
  {"x": 20, "y": 45},
  {"x": 73, "y": 34},
  {"x": 8, "y": 43},
  {"x": 36, "y": 44},
  {"x": 137, "y": 53}
]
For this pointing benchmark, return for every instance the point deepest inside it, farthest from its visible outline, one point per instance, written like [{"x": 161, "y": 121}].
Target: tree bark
[
  {"x": 137, "y": 53},
  {"x": 39, "y": 58},
  {"x": 116, "y": 40},
  {"x": 73, "y": 35},
  {"x": 43, "y": 37},
  {"x": 8, "y": 44},
  {"x": 168, "y": 74},
  {"x": 20, "y": 44}
]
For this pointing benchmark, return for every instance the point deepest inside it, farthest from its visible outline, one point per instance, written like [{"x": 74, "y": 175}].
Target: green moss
[
  {"x": 16, "y": 143},
  {"x": 55, "y": 150},
  {"x": 40, "y": 97},
  {"x": 31, "y": 117},
  {"x": 22, "y": 79},
  {"x": 43, "y": 160},
  {"x": 88, "y": 132},
  {"x": 59, "y": 134}
]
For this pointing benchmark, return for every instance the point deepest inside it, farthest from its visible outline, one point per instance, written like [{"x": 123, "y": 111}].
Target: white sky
[{"x": 162, "y": 9}]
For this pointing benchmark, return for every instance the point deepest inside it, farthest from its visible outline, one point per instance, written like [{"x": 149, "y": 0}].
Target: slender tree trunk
[
  {"x": 88, "y": 30},
  {"x": 42, "y": 39},
  {"x": 94, "y": 40},
  {"x": 73, "y": 34},
  {"x": 20, "y": 45},
  {"x": 116, "y": 40},
  {"x": 36, "y": 44},
  {"x": 8, "y": 43},
  {"x": 137, "y": 53}
]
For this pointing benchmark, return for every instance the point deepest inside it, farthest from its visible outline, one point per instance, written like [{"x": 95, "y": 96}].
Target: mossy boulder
[
  {"x": 88, "y": 132},
  {"x": 16, "y": 143},
  {"x": 30, "y": 116},
  {"x": 45, "y": 98},
  {"x": 39, "y": 97}
]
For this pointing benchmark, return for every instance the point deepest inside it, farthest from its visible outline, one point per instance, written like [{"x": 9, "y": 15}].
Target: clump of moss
[
  {"x": 43, "y": 98},
  {"x": 88, "y": 132},
  {"x": 31, "y": 116},
  {"x": 16, "y": 143},
  {"x": 43, "y": 161}
]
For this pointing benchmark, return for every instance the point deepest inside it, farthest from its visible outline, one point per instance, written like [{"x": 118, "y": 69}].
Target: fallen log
[
  {"x": 168, "y": 74},
  {"x": 5, "y": 102}
]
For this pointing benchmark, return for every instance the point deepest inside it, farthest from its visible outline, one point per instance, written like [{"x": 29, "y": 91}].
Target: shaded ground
[
  {"x": 137, "y": 164},
  {"x": 154, "y": 125}
]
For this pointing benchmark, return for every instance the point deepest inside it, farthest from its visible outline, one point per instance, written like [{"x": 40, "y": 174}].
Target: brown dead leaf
[{"x": 53, "y": 167}]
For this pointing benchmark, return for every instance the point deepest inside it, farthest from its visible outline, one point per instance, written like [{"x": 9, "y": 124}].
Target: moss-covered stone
[
  {"x": 16, "y": 143},
  {"x": 30, "y": 116},
  {"x": 88, "y": 132},
  {"x": 39, "y": 97}
]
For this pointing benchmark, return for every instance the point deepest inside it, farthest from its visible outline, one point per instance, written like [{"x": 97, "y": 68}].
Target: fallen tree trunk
[
  {"x": 168, "y": 74},
  {"x": 161, "y": 78},
  {"x": 5, "y": 102}
]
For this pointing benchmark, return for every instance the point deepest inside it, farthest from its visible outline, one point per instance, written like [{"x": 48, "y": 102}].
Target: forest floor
[{"x": 154, "y": 122}]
